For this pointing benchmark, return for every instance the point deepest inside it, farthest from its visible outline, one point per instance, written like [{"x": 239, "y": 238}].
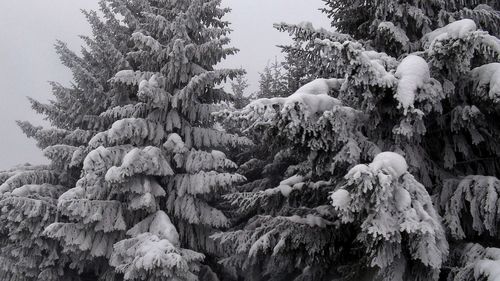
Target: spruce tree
[
  {"x": 29, "y": 193},
  {"x": 416, "y": 79},
  {"x": 297, "y": 71},
  {"x": 272, "y": 81},
  {"x": 282, "y": 78},
  {"x": 238, "y": 87},
  {"x": 143, "y": 206},
  {"x": 411, "y": 19}
]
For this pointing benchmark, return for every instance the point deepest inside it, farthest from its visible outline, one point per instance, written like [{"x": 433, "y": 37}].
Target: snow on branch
[
  {"x": 146, "y": 161},
  {"x": 477, "y": 196},
  {"x": 207, "y": 137},
  {"x": 475, "y": 262},
  {"x": 158, "y": 224},
  {"x": 143, "y": 40},
  {"x": 134, "y": 130},
  {"x": 484, "y": 15},
  {"x": 195, "y": 210},
  {"x": 362, "y": 67},
  {"x": 287, "y": 186},
  {"x": 141, "y": 186},
  {"x": 490, "y": 45},
  {"x": 455, "y": 29},
  {"x": 174, "y": 144},
  {"x": 267, "y": 239},
  {"x": 151, "y": 92},
  {"x": 29, "y": 177},
  {"x": 306, "y": 31},
  {"x": 38, "y": 190},
  {"x": 33, "y": 203},
  {"x": 76, "y": 238},
  {"x": 487, "y": 80},
  {"x": 489, "y": 266},
  {"x": 204, "y": 182},
  {"x": 130, "y": 77},
  {"x": 101, "y": 159},
  {"x": 137, "y": 110},
  {"x": 395, "y": 33},
  {"x": 198, "y": 83},
  {"x": 105, "y": 215},
  {"x": 393, "y": 211},
  {"x": 413, "y": 73},
  {"x": 157, "y": 258},
  {"x": 60, "y": 153},
  {"x": 313, "y": 98}
]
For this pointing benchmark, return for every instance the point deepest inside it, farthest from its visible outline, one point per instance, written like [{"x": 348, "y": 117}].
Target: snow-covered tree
[
  {"x": 292, "y": 231},
  {"x": 398, "y": 225},
  {"x": 432, "y": 99},
  {"x": 135, "y": 182},
  {"x": 151, "y": 174},
  {"x": 28, "y": 196},
  {"x": 238, "y": 87},
  {"x": 272, "y": 82},
  {"x": 297, "y": 71},
  {"x": 411, "y": 19}
]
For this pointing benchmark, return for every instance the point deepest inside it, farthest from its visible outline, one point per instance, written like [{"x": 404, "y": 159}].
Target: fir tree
[
  {"x": 150, "y": 176},
  {"x": 238, "y": 86},
  {"x": 29, "y": 193},
  {"x": 424, "y": 85},
  {"x": 415, "y": 18},
  {"x": 297, "y": 71},
  {"x": 134, "y": 184},
  {"x": 272, "y": 81}
]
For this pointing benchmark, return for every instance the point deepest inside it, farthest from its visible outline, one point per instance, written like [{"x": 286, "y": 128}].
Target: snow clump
[
  {"x": 413, "y": 73},
  {"x": 390, "y": 162},
  {"x": 287, "y": 186},
  {"x": 313, "y": 96},
  {"x": 174, "y": 144},
  {"x": 341, "y": 199},
  {"x": 455, "y": 29},
  {"x": 488, "y": 75}
]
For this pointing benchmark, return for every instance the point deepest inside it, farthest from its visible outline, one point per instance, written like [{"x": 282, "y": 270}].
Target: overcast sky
[{"x": 29, "y": 29}]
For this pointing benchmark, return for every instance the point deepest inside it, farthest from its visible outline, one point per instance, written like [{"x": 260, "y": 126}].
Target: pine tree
[
  {"x": 143, "y": 206},
  {"x": 423, "y": 85},
  {"x": 297, "y": 71},
  {"x": 303, "y": 57},
  {"x": 272, "y": 81},
  {"x": 29, "y": 193},
  {"x": 411, "y": 19},
  {"x": 238, "y": 86}
]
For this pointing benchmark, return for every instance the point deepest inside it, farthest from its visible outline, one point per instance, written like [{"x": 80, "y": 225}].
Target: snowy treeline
[{"x": 378, "y": 159}]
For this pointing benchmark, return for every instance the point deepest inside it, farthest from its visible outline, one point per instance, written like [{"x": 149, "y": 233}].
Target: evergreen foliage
[
  {"x": 29, "y": 193},
  {"x": 297, "y": 71},
  {"x": 282, "y": 78},
  {"x": 371, "y": 153},
  {"x": 153, "y": 153},
  {"x": 134, "y": 171},
  {"x": 272, "y": 81},
  {"x": 239, "y": 86},
  {"x": 415, "y": 78},
  {"x": 410, "y": 19}
]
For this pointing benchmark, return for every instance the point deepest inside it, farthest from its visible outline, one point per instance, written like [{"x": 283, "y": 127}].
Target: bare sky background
[{"x": 28, "y": 60}]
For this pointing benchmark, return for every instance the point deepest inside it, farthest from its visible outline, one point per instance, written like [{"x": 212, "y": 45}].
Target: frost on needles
[
  {"x": 434, "y": 104},
  {"x": 135, "y": 171},
  {"x": 343, "y": 178},
  {"x": 140, "y": 164},
  {"x": 29, "y": 193},
  {"x": 393, "y": 212}
]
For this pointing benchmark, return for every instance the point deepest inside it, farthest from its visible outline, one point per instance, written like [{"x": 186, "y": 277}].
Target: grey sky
[{"x": 28, "y": 61}]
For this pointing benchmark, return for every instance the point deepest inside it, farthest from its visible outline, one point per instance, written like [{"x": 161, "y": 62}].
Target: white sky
[{"x": 29, "y": 29}]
